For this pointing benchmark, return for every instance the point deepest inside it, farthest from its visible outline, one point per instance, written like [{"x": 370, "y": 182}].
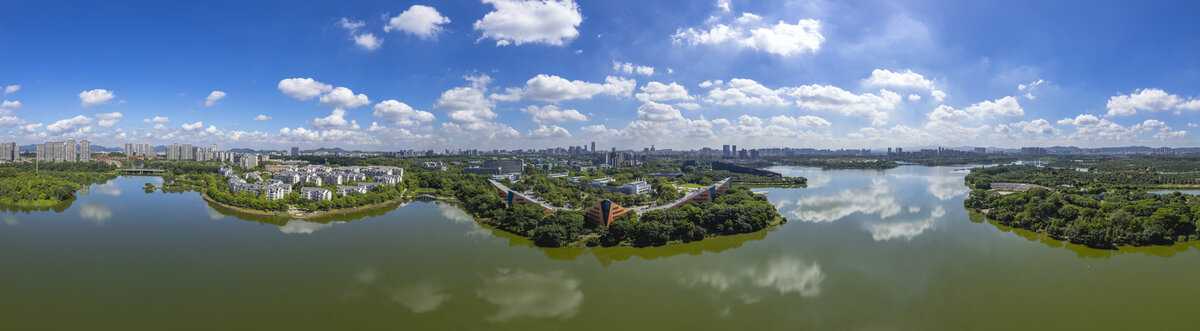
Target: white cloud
[
  {"x": 108, "y": 120},
  {"x": 741, "y": 91},
  {"x": 724, "y": 5},
  {"x": 687, "y": 105},
  {"x": 1006, "y": 106},
  {"x": 551, "y": 114},
  {"x": 659, "y": 92},
  {"x": 1145, "y": 99},
  {"x": 12, "y": 89},
  {"x": 515, "y": 22},
  {"x": 348, "y": 24},
  {"x": 554, "y": 89},
  {"x": 95, "y": 97},
  {"x": 467, "y": 105},
  {"x": 551, "y": 131},
  {"x": 401, "y": 114},
  {"x": 335, "y": 121},
  {"x": 303, "y": 88},
  {"x": 156, "y": 119},
  {"x": 806, "y": 121},
  {"x": 938, "y": 95},
  {"x": 342, "y": 97},
  {"x": 914, "y": 97},
  {"x": 71, "y": 124},
  {"x": 7, "y": 106},
  {"x": 192, "y": 126},
  {"x": 368, "y": 41},
  {"x": 11, "y": 121},
  {"x": 867, "y": 105},
  {"x": 1091, "y": 128},
  {"x": 600, "y": 129},
  {"x": 946, "y": 113},
  {"x": 898, "y": 80},
  {"x": 657, "y": 112},
  {"x": 1189, "y": 105},
  {"x": 213, "y": 97},
  {"x": 750, "y": 32},
  {"x": 261, "y": 118},
  {"x": 1036, "y": 127},
  {"x": 630, "y": 68},
  {"x": 422, "y": 21}
]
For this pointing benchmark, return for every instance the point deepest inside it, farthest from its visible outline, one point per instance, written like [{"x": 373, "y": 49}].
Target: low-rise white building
[{"x": 316, "y": 193}]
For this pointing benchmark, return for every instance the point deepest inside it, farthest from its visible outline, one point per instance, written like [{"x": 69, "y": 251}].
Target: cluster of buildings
[
  {"x": 635, "y": 187},
  {"x": 65, "y": 151},
  {"x": 284, "y": 176},
  {"x": 9, "y": 152},
  {"x": 497, "y": 167},
  {"x": 139, "y": 150},
  {"x": 189, "y": 152}
]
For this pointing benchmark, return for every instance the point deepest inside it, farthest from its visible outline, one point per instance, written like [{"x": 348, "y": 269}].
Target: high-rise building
[
  {"x": 295, "y": 151},
  {"x": 129, "y": 151},
  {"x": 733, "y": 150},
  {"x": 85, "y": 151},
  {"x": 9, "y": 152},
  {"x": 725, "y": 150},
  {"x": 593, "y": 147}
]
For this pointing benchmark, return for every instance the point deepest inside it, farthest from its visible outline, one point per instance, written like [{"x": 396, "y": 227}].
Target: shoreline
[{"x": 311, "y": 215}]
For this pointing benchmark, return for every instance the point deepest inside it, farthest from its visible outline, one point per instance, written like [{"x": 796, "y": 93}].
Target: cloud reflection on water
[
  {"x": 458, "y": 216},
  {"x": 782, "y": 275},
  {"x": 422, "y": 297},
  {"x": 946, "y": 187},
  {"x": 95, "y": 211},
  {"x": 110, "y": 188},
  {"x": 872, "y": 199},
  {"x": 522, "y": 294}
]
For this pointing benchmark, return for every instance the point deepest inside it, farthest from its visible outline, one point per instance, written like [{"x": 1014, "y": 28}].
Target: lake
[{"x": 863, "y": 249}]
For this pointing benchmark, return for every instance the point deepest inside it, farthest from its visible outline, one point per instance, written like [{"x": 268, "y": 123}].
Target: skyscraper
[
  {"x": 85, "y": 151},
  {"x": 593, "y": 147},
  {"x": 725, "y": 150},
  {"x": 295, "y": 151},
  {"x": 9, "y": 151}
]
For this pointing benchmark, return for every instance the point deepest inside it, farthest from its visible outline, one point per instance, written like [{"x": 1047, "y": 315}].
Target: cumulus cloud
[
  {"x": 212, "y": 98},
  {"x": 95, "y": 97},
  {"x": 1091, "y": 128},
  {"x": 192, "y": 126},
  {"x": 1006, "y": 106},
  {"x": 351, "y": 25},
  {"x": 875, "y": 107},
  {"x": 740, "y": 92},
  {"x": 8, "y": 106},
  {"x": 551, "y": 114},
  {"x": 806, "y": 121},
  {"x": 657, "y": 112},
  {"x": 11, "y": 121},
  {"x": 750, "y": 32},
  {"x": 467, "y": 105},
  {"x": 342, "y": 97},
  {"x": 303, "y": 88},
  {"x": 599, "y": 129},
  {"x": 1035, "y": 127},
  {"x": 335, "y": 121},
  {"x": 1145, "y": 99},
  {"x": 516, "y": 22},
  {"x": 12, "y": 89},
  {"x": 368, "y": 41},
  {"x": 401, "y": 114},
  {"x": 261, "y": 118},
  {"x": 108, "y": 120},
  {"x": 554, "y": 89},
  {"x": 156, "y": 119},
  {"x": 659, "y": 92},
  {"x": 549, "y": 131},
  {"x": 904, "y": 80},
  {"x": 630, "y": 68},
  {"x": 71, "y": 124},
  {"x": 422, "y": 21}
]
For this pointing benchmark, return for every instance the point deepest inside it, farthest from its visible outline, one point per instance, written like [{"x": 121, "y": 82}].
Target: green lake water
[{"x": 863, "y": 250}]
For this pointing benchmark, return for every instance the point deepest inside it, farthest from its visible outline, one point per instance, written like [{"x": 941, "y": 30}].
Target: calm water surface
[{"x": 887, "y": 250}]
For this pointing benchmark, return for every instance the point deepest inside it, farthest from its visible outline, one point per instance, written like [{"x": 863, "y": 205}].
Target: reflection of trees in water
[
  {"x": 58, "y": 208},
  {"x": 282, "y": 221},
  {"x": 1085, "y": 252}
]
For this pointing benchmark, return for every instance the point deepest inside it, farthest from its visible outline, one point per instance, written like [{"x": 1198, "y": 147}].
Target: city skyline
[{"x": 378, "y": 76}]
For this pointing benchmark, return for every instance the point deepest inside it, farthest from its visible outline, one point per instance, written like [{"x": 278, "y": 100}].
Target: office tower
[
  {"x": 593, "y": 147},
  {"x": 725, "y": 150}
]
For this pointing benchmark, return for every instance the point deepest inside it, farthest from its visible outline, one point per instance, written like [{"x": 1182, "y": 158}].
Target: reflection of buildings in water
[
  {"x": 95, "y": 211},
  {"x": 783, "y": 276},
  {"x": 110, "y": 188},
  {"x": 947, "y": 187},
  {"x": 872, "y": 199},
  {"x": 421, "y": 297},
  {"x": 302, "y": 227},
  {"x": 522, "y": 294}
]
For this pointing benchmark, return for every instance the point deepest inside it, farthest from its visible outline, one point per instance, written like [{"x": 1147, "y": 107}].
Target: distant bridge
[{"x": 142, "y": 171}]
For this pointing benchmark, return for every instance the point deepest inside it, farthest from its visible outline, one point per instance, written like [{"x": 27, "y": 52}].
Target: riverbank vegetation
[
  {"x": 1100, "y": 208},
  {"x": 50, "y": 183}
]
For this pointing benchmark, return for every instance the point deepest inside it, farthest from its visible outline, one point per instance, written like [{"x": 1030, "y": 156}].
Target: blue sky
[{"x": 519, "y": 74}]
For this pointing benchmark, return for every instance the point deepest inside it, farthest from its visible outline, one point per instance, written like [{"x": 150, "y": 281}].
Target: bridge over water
[{"x": 142, "y": 171}]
